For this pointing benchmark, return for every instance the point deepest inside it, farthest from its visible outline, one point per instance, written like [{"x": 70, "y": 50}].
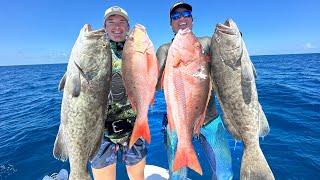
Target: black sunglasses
[{"x": 177, "y": 15}]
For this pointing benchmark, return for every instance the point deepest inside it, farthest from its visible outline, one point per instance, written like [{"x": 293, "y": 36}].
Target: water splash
[
  {"x": 235, "y": 144},
  {"x": 7, "y": 170}
]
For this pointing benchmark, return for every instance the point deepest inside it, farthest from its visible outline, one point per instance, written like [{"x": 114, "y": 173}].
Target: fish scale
[
  {"x": 84, "y": 101},
  {"x": 140, "y": 72},
  {"x": 186, "y": 94},
  {"x": 233, "y": 76}
]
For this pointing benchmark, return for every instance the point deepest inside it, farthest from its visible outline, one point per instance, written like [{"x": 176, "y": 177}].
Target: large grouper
[
  {"x": 85, "y": 88},
  {"x": 233, "y": 76}
]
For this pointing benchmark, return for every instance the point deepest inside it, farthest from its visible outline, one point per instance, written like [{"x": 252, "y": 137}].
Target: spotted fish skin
[
  {"x": 186, "y": 83},
  {"x": 233, "y": 76},
  {"x": 85, "y": 88}
]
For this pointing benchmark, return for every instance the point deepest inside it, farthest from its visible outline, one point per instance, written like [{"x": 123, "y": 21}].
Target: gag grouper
[
  {"x": 85, "y": 88},
  {"x": 233, "y": 76}
]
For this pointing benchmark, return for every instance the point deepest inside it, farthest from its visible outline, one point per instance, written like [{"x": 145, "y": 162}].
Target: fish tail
[
  {"x": 141, "y": 129},
  {"x": 60, "y": 150},
  {"x": 186, "y": 157},
  {"x": 254, "y": 165}
]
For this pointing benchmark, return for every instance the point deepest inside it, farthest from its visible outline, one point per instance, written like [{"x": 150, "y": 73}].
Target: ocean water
[{"x": 288, "y": 88}]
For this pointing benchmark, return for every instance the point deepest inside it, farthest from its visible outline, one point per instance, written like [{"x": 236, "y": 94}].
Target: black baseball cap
[{"x": 180, "y": 5}]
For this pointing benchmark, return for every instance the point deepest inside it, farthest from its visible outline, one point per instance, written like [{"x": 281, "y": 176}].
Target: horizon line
[{"x": 8, "y": 65}]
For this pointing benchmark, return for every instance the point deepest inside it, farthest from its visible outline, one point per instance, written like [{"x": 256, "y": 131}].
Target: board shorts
[{"x": 109, "y": 153}]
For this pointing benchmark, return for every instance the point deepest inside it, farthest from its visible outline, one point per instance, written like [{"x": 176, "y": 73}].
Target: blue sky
[{"x": 44, "y": 31}]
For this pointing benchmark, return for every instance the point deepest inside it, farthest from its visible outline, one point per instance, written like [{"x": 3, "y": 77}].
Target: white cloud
[{"x": 309, "y": 46}]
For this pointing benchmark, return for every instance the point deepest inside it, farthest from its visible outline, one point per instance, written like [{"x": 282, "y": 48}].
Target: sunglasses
[{"x": 177, "y": 15}]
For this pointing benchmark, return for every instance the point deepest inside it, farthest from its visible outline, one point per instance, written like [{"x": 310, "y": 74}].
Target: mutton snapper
[
  {"x": 186, "y": 82},
  {"x": 85, "y": 88},
  {"x": 233, "y": 76},
  {"x": 140, "y": 74}
]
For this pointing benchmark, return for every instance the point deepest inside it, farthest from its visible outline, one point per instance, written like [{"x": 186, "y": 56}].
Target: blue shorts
[{"x": 108, "y": 153}]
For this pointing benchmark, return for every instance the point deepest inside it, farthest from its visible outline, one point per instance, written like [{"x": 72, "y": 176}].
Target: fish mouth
[
  {"x": 140, "y": 26},
  {"x": 184, "y": 31},
  {"x": 90, "y": 33},
  {"x": 95, "y": 34},
  {"x": 228, "y": 27},
  {"x": 183, "y": 26},
  {"x": 87, "y": 28},
  {"x": 138, "y": 33},
  {"x": 229, "y": 22},
  {"x": 138, "y": 30}
]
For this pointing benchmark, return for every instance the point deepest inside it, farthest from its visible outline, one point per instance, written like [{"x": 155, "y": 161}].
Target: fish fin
[
  {"x": 162, "y": 79},
  {"x": 215, "y": 88},
  {"x": 96, "y": 33},
  {"x": 153, "y": 67},
  {"x": 62, "y": 82},
  {"x": 140, "y": 129},
  {"x": 171, "y": 124},
  {"x": 96, "y": 147},
  {"x": 186, "y": 157},
  {"x": 264, "y": 128},
  {"x": 253, "y": 70},
  {"x": 203, "y": 116},
  {"x": 75, "y": 84},
  {"x": 176, "y": 62},
  {"x": 152, "y": 101},
  {"x": 82, "y": 72},
  {"x": 254, "y": 165},
  {"x": 170, "y": 120},
  {"x": 247, "y": 71},
  {"x": 199, "y": 123},
  {"x": 60, "y": 150},
  {"x": 99, "y": 137},
  {"x": 247, "y": 78},
  {"x": 132, "y": 104},
  {"x": 153, "y": 72}
]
